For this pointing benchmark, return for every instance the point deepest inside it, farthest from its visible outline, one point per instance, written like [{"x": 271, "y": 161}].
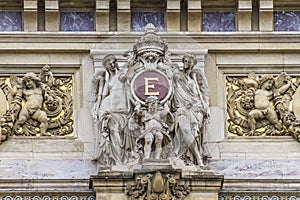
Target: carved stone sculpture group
[{"x": 150, "y": 108}]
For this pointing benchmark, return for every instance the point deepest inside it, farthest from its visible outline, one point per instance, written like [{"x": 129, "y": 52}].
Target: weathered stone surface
[
  {"x": 256, "y": 169},
  {"x": 47, "y": 169}
]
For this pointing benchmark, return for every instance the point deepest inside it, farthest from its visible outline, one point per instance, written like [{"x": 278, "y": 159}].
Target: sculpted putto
[
  {"x": 156, "y": 128},
  {"x": 38, "y": 105},
  {"x": 263, "y": 106},
  {"x": 33, "y": 94},
  {"x": 151, "y": 108}
]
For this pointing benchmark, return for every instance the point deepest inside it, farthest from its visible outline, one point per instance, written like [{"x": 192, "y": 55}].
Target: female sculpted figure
[
  {"x": 109, "y": 111},
  {"x": 190, "y": 103}
]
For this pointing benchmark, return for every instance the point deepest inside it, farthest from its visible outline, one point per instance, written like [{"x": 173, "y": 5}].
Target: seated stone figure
[{"x": 155, "y": 130}]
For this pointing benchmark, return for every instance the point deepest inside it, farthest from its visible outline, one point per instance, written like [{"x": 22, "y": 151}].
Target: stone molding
[
  {"x": 215, "y": 42},
  {"x": 266, "y": 196},
  {"x": 76, "y": 196},
  {"x": 112, "y": 185},
  {"x": 45, "y": 189},
  {"x": 264, "y": 189}
]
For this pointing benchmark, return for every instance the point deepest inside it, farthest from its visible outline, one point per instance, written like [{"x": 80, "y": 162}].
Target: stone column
[
  {"x": 194, "y": 16},
  {"x": 244, "y": 15},
  {"x": 173, "y": 15},
  {"x": 30, "y": 15},
  {"x": 266, "y": 21},
  {"x": 52, "y": 15},
  {"x": 124, "y": 15},
  {"x": 102, "y": 15}
]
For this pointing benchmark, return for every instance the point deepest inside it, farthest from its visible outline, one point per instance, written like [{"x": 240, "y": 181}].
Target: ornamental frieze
[
  {"x": 263, "y": 105},
  {"x": 36, "y": 105}
]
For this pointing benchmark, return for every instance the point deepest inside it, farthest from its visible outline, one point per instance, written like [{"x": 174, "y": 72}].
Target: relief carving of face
[
  {"x": 268, "y": 84},
  {"x": 112, "y": 65},
  {"x": 29, "y": 83}
]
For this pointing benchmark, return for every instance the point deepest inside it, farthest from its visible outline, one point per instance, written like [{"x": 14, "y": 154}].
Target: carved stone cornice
[
  {"x": 215, "y": 42},
  {"x": 112, "y": 185}
]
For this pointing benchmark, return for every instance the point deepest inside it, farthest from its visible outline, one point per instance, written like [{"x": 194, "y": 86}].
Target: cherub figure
[
  {"x": 155, "y": 129},
  {"x": 263, "y": 108},
  {"x": 33, "y": 95}
]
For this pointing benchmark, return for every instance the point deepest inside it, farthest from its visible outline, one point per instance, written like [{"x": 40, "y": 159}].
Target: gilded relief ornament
[
  {"x": 150, "y": 108},
  {"x": 263, "y": 105},
  {"x": 36, "y": 105}
]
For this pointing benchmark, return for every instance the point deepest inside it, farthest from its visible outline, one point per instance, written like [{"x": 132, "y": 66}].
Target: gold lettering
[{"x": 150, "y": 86}]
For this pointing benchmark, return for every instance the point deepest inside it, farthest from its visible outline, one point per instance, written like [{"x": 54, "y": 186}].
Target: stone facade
[{"x": 58, "y": 167}]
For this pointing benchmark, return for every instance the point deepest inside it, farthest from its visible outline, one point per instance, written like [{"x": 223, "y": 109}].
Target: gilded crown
[{"x": 150, "y": 41}]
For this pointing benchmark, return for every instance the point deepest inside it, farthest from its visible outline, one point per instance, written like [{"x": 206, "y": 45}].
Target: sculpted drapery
[
  {"x": 191, "y": 112},
  {"x": 150, "y": 109},
  {"x": 110, "y": 112}
]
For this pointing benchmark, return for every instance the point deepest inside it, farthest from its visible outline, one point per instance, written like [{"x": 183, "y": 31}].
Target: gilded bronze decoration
[
  {"x": 37, "y": 105},
  {"x": 264, "y": 105}
]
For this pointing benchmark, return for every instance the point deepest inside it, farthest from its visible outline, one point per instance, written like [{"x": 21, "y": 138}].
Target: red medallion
[{"x": 151, "y": 83}]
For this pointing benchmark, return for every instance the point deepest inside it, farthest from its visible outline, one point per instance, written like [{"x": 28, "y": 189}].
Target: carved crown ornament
[
  {"x": 265, "y": 105},
  {"x": 150, "y": 108},
  {"x": 36, "y": 105}
]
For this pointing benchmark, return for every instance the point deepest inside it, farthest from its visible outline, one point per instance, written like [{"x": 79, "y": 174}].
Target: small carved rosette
[
  {"x": 36, "y": 105},
  {"x": 265, "y": 105},
  {"x": 157, "y": 186}
]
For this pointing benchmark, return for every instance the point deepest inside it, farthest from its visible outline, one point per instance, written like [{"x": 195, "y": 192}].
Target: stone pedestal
[{"x": 146, "y": 183}]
